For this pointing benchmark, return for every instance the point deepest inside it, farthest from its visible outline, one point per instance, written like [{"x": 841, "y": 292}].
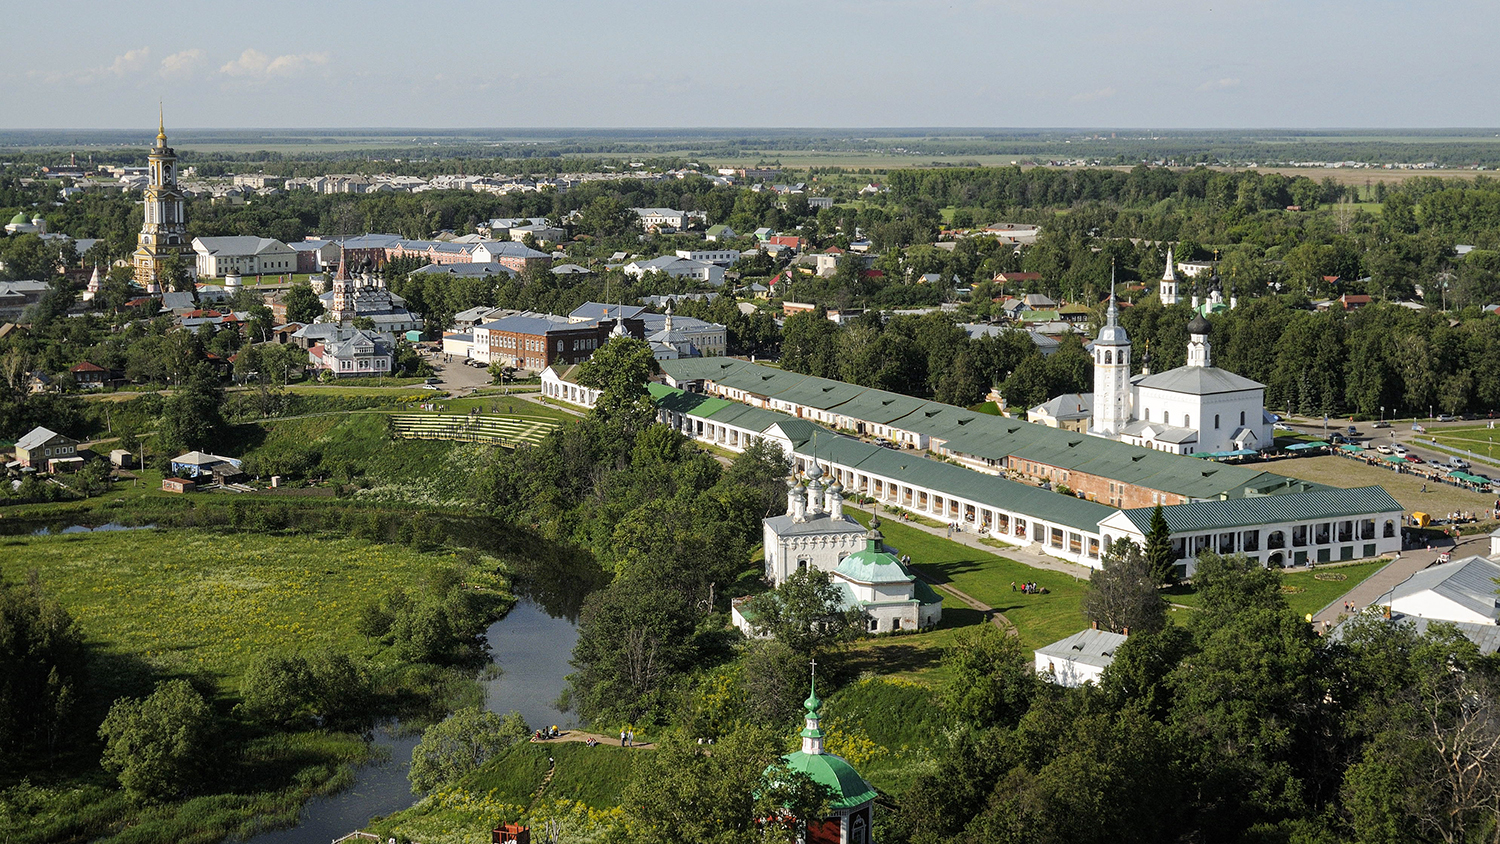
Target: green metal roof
[
  {"x": 1200, "y": 516},
  {"x": 828, "y": 770},
  {"x": 874, "y": 565},
  {"x": 961, "y": 431}
]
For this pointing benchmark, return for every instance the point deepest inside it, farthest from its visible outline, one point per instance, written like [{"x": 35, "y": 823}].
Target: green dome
[
  {"x": 20, "y": 219},
  {"x": 873, "y": 564},
  {"x": 849, "y": 788}
]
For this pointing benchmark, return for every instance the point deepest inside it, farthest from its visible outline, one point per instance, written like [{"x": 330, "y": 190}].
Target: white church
[
  {"x": 1193, "y": 409},
  {"x": 815, "y": 533}
]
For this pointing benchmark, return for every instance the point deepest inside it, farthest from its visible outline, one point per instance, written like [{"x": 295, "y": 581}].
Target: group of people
[
  {"x": 546, "y": 733},
  {"x": 1030, "y": 588},
  {"x": 627, "y": 738}
]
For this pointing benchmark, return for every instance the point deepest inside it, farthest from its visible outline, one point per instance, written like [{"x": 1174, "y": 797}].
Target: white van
[{"x": 1458, "y": 463}]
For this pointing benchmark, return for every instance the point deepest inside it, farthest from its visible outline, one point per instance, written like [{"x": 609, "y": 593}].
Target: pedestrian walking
[
  {"x": 631, "y": 736},
  {"x": 622, "y": 738}
]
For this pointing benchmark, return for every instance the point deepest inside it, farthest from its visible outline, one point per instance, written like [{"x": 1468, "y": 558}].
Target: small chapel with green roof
[{"x": 851, "y": 802}]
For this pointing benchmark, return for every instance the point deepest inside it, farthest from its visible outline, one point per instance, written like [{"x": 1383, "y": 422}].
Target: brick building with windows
[{"x": 534, "y": 342}]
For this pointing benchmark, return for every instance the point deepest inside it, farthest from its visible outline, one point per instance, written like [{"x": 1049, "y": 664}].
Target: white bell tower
[
  {"x": 1168, "y": 292},
  {"x": 1111, "y": 373}
]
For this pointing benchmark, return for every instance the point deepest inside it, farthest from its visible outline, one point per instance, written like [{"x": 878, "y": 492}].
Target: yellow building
[{"x": 164, "y": 232}]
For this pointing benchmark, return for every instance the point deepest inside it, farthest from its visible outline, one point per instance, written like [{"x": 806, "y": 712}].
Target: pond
[{"x": 532, "y": 649}]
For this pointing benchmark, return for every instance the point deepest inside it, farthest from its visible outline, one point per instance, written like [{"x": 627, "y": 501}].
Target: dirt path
[{"x": 582, "y": 736}]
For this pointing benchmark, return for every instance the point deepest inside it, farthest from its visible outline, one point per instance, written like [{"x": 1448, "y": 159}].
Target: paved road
[{"x": 1400, "y": 431}]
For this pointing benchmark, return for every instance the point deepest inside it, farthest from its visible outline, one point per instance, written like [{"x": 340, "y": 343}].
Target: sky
[{"x": 1150, "y": 64}]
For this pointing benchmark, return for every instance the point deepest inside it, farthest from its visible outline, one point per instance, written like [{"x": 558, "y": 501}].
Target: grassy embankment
[
  {"x": 153, "y": 604},
  {"x": 509, "y": 788}
]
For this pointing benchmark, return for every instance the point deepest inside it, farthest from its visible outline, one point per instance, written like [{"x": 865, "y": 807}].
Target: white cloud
[
  {"x": 255, "y": 64},
  {"x": 1090, "y": 96},
  {"x": 131, "y": 62},
  {"x": 1219, "y": 84},
  {"x": 126, "y": 64},
  {"x": 179, "y": 65}
]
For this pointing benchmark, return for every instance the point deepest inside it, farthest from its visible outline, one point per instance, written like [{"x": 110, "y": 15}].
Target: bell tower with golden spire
[{"x": 164, "y": 230}]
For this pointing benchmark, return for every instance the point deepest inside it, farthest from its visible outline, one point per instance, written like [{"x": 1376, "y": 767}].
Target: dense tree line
[{"x": 1240, "y": 726}]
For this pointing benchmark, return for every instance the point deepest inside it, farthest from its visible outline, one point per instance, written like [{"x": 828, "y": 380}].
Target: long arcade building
[{"x": 1299, "y": 523}]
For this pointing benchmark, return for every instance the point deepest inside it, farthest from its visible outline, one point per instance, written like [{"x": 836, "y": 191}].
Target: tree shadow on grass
[{"x": 917, "y": 652}]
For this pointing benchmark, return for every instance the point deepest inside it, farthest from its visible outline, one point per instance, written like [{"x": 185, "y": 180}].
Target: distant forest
[{"x": 1442, "y": 147}]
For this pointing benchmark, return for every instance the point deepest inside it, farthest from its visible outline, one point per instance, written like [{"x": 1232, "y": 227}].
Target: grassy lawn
[
  {"x": 1040, "y": 619},
  {"x": 507, "y": 406},
  {"x": 1306, "y": 592},
  {"x": 914, "y": 657},
  {"x": 189, "y": 602},
  {"x": 1407, "y": 489}
]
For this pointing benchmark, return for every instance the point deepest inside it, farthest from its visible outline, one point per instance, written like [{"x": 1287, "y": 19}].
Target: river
[{"x": 532, "y": 649}]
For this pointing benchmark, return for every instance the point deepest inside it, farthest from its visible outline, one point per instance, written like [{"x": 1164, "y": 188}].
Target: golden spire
[{"x": 161, "y": 133}]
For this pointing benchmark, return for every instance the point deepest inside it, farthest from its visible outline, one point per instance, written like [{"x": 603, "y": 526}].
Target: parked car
[
  {"x": 1437, "y": 464},
  {"x": 1353, "y": 431},
  {"x": 1399, "y": 449},
  {"x": 1458, "y": 463},
  {"x": 1383, "y": 448},
  {"x": 1381, "y": 424},
  {"x": 1443, "y": 417},
  {"x": 1418, "y": 428},
  {"x": 1282, "y": 426}
]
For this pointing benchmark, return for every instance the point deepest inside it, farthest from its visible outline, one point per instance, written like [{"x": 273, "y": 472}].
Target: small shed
[
  {"x": 413, "y": 336},
  {"x": 178, "y": 485},
  {"x": 1080, "y": 658},
  {"x": 121, "y": 458}
]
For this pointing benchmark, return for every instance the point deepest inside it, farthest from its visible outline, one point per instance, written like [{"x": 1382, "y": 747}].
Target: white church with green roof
[{"x": 816, "y": 533}]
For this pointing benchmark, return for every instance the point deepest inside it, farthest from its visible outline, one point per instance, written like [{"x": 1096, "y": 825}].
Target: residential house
[
  {"x": 710, "y": 274},
  {"x": 722, "y": 257},
  {"x": 353, "y": 352},
  {"x": 1070, "y": 411},
  {"x": 89, "y": 376},
  {"x": 662, "y": 218},
  {"x": 16, "y": 296},
  {"x": 719, "y": 234},
  {"x": 516, "y": 256},
  {"x": 41, "y": 445}
]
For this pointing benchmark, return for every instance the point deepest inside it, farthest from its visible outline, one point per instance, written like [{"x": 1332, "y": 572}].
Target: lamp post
[{"x": 1382, "y": 413}]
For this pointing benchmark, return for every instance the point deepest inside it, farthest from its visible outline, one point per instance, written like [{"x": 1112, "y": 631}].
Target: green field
[
  {"x": 1479, "y": 440},
  {"x": 1306, "y": 591},
  {"x": 194, "y": 602}
]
